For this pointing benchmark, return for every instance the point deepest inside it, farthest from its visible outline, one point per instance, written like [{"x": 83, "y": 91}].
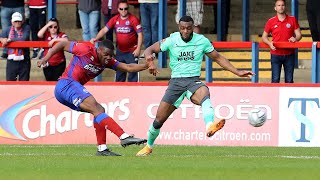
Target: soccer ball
[{"x": 257, "y": 117}]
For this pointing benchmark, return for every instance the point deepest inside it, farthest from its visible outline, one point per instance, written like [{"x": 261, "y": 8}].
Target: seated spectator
[
  {"x": 57, "y": 63},
  {"x": 18, "y": 60}
]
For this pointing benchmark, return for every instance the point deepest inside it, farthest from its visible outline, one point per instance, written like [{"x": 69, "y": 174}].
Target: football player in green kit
[{"x": 186, "y": 50}]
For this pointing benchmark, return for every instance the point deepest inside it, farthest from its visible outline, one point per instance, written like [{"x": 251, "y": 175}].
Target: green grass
[{"x": 75, "y": 162}]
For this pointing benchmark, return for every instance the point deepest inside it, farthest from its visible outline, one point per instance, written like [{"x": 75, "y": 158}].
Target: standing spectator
[
  {"x": 225, "y": 11},
  {"x": 89, "y": 12},
  {"x": 8, "y": 8},
  {"x": 26, "y": 12},
  {"x": 109, "y": 10},
  {"x": 283, "y": 28},
  {"x": 313, "y": 15},
  {"x": 38, "y": 16},
  {"x": 194, "y": 10},
  {"x": 149, "y": 10},
  {"x": 129, "y": 39},
  {"x": 18, "y": 60},
  {"x": 57, "y": 63}
]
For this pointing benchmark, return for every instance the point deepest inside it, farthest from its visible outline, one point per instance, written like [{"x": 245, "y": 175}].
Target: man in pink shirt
[
  {"x": 283, "y": 28},
  {"x": 129, "y": 39}
]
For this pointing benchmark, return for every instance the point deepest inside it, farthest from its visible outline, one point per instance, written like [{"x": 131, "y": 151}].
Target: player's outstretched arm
[
  {"x": 62, "y": 45},
  {"x": 225, "y": 63},
  {"x": 132, "y": 67},
  {"x": 148, "y": 55}
]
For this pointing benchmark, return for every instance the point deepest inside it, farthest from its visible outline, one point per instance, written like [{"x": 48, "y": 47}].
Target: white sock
[
  {"x": 102, "y": 147},
  {"x": 208, "y": 125},
  {"x": 124, "y": 135}
]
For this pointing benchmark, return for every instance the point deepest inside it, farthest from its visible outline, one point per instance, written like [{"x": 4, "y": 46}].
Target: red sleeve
[
  {"x": 80, "y": 49},
  {"x": 267, "y": 27},
  {"x": 136, "y": 24},
  {"x": 113, "y": 64},
  {"x": 62, "y": 35},
  {"x": 296, "y": 24},
  {"x": 46, "y": 36},
  {"x": 112, "y": 22}
]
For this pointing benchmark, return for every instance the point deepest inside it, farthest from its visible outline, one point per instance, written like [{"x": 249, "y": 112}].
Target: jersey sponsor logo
[
  {"x": 92, "y": 68},
  {"x": 123, "y": 30},
  {"x": 185, "y": 56},
  {"x": 288, "y": 25},
  {"x": 127, "y": 23}
]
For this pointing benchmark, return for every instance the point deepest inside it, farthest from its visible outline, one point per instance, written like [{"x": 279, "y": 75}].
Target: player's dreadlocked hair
[
  {"x": 106, "y": 43},
  {"x": 186, "y": 19}
]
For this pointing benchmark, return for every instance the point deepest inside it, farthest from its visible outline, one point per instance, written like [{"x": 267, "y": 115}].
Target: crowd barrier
[
  {"x": 36, "y": 117},
  {"x": 254, "y": 46}
]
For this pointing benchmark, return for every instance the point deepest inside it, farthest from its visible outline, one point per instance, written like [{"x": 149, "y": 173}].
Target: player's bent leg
[
  {"x": 164, "y": 111},
  {"x": 212, "y": 125},
  {"x": 202, "y": 97}
]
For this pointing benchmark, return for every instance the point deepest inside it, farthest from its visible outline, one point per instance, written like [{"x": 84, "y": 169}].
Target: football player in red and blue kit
[{"x": 87, "y": 63}]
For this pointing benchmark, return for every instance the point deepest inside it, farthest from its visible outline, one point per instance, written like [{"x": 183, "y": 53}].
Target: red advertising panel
[{"x": 29, "y": 114}]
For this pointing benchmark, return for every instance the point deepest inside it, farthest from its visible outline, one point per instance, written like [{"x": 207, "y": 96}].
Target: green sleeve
[
  {"x": 208, "y": 46},
  {"x": 165, "y": 44}
]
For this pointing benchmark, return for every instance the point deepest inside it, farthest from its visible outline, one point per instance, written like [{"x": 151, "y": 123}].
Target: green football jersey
[{"x": 186, "y": 58}]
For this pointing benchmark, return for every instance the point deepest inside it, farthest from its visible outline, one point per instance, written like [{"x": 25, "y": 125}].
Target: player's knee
[
  {"x": 100, "y": 108},
  {"x": 204, "y": 99},
  {"x": 157, "y": 124}
]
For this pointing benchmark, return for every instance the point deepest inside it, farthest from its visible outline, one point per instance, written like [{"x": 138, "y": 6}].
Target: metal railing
[{"x": 253, "y": 46}]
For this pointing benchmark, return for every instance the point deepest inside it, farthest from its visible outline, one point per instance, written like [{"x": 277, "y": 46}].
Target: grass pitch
[{"x": 75, "y": 162}]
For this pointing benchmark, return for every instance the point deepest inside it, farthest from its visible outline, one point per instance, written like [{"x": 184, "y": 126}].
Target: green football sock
[
  {"x": 152, "y": 135},
  {"x": 207, "y": 111}
]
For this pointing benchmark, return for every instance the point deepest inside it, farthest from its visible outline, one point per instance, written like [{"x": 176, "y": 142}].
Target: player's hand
[
  {"x": 93, "y": 40},
  {"x": 272, "y": 47},
  {"x": 152, "y": 68},
  {"x": 247, "y": 74}
]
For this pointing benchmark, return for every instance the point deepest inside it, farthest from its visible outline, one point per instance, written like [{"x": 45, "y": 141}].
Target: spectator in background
[
  {"x": 149, "y": 11},
  {"x": 129, "y": 39},
  {"x": 8, "y": 8},
  {"x": 313, "y": 15},
  {"x": 109, "y": 10},
  {"x": 38, "y": 16},
  {"x": 26, "y": 12},
  {"x": 194, "y": 10},
  {"x": 225, "y": 11},
  {"x": 18, "y": 60},
  {"x": 89, "y": 12},
  {"x": 283, "y": 28},
  {"x": 57, "y": 63}
]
